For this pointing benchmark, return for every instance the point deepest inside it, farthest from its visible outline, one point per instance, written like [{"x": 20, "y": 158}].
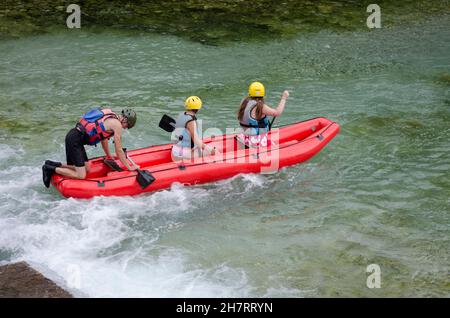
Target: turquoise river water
[{"x": 377, "y": 194}]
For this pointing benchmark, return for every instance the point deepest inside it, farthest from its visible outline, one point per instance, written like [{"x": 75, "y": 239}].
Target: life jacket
[
  {"x": 181, "y": 132},
  {"x": 93, "y": 127},
  {"x": 253, "y": 126}
]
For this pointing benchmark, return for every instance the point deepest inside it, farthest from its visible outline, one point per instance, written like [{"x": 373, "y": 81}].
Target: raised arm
[{"x": 279, "y": 110}]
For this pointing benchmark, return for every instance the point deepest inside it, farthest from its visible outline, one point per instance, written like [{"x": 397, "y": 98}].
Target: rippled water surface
[{"x": 378, "y": 193}]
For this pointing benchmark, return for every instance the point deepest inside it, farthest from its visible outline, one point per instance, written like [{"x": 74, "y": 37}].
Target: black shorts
[{"x": 75, "y": 153}]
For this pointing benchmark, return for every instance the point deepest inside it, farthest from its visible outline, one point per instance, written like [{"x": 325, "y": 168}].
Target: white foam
[
  {"x": 19, "y": 178},
  {"x": 131, "y": 273},
  {"x": 112, "y": 243},
  {"x": 102, "y": 242},
  {"x": 250, "y": 181},
  {"x": 8, "y": 152},
  {"x": 254, "y": 180}
]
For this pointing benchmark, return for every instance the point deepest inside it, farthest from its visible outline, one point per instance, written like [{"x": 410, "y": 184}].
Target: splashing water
[{"x": 377, "y": 194}]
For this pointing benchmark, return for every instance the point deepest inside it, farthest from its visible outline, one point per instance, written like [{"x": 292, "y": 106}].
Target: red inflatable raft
[{"x": 290, "y": 145}]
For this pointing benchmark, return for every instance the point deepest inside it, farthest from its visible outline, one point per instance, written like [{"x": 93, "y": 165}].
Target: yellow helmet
[
  {"x": 193, "y": 103},
  {"x": 256, "y": 89}
]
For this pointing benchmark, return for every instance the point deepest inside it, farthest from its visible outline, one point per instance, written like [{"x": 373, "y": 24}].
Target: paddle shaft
[
  {"x": 271, "y": 123},
  {"x": 169, "y": 120},
  {"x": 129, "y": 159}
]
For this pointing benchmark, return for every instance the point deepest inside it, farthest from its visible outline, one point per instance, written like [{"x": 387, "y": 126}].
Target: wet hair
[{"x": 259, "y": 107}]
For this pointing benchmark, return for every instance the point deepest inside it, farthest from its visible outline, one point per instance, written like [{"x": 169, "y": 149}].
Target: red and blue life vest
[{"x": 92, "y": 125}]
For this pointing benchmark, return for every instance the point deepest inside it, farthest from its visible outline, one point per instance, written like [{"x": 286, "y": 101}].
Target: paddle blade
[
  {"x": 112, "y": 164},
  {"x": 167, "y": 123},
  {"x": 144, "y": 178}
]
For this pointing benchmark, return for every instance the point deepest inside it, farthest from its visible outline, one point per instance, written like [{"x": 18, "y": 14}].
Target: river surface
[{"x": 377, "y": 194}]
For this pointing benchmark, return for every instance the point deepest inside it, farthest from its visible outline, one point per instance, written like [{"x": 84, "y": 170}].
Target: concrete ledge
[{"x": 19, "y": 280}]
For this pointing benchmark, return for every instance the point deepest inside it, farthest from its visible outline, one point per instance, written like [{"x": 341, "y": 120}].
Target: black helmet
[{"x": 130, "y": 115}]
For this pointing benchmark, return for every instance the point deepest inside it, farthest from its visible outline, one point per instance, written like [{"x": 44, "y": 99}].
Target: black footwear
[
  {"x": 47, "y": 172},
  {"x": 53, "y": 163}
]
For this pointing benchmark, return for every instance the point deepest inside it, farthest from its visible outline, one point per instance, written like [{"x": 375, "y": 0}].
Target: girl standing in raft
[
  {"x": 189, "y": 144},
  {"x": 253, "y": 114}
]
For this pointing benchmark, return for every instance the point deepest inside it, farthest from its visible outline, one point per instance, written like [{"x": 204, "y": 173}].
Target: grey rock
[{"x": 19, "y": 280}]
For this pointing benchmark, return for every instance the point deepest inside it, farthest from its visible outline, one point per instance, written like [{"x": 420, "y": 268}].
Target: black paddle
[
  {"x": 167, "y": 123},
  {"x": 144, "y": 178},
  {"x": 271, "y": 123},
  {"x": 112, "y": 164}
]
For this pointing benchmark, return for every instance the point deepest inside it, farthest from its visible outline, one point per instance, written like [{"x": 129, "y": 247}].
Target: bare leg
[
  {"x": 73, "y": 168},
  {"x": 68, "y": 167},
  {"x": 187, "y": 155},
  {"x": 78, "y": 173},
  {"x": 196, "y": 153}
]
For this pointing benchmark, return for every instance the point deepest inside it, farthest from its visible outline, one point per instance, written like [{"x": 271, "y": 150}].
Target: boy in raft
[
  {"x": 189, "y": 144},
  {"x": 252, "y": 116},
  {"x": 96, "y": 126}
]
